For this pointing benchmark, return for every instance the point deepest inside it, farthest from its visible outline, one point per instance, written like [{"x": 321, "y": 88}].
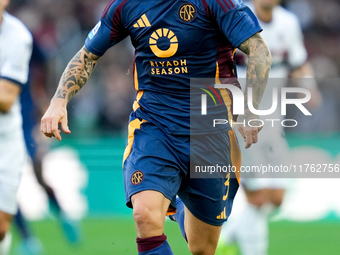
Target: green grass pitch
[{"x": 101, "y": 236}]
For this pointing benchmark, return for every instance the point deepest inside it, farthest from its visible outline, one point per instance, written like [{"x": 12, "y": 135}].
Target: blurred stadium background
[{"x": 85, "y": 168}]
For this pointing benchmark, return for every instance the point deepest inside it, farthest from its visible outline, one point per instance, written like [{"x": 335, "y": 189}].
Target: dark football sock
[{"x": 156, "y": 245}]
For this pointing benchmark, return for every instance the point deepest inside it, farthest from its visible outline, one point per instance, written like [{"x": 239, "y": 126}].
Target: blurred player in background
[
  {"x": 33, "y": 99},
  {"x": 174, "y": 41},
  {"x": 15, "y": 53},
  {"x": 283, "y": 35}
]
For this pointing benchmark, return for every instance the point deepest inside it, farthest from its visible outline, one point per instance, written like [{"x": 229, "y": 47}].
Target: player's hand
[
  {"x": 55, "y": 114},
  {"x": 249, "y": 134}
]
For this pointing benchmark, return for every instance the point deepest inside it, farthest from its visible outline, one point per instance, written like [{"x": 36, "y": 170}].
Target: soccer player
[
  {"x": 174, "y": 41},
  {"x": 283, "y": 35},
  {"x": 15, "y": 52},
  {"x": 31, "y": 108}
]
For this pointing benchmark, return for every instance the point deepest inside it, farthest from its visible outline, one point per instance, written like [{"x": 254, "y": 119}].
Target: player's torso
[{"x": 174, "y": 41}]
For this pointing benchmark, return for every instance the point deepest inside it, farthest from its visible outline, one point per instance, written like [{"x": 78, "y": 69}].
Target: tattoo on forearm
[
  {"x": 76, "y": 74},
  {"x": 258, "y": 66}
]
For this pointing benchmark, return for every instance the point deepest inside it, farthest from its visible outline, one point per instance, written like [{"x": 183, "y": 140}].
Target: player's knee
[
  {"x": 140, "y": 215},
  {"x": 201, "y": 248},
  {"x": 143, "y": 215}
]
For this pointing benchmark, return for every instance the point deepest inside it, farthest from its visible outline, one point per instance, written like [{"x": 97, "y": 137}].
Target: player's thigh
[
  {"x": 202, "y": 237},
  {"x": 149, "y": 211},
  {"x": 153, "y": 200},
  {"x": 153, "y": 161}
]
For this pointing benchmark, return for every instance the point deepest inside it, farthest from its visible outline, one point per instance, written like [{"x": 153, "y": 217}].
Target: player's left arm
[
  {"x": 259, "y": 62},
  {"x": 239, "y": 24}
]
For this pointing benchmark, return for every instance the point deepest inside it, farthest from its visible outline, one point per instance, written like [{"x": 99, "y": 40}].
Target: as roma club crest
[
  {"x": 137, "y": 177},
  {"x": 187, "y": 12}
]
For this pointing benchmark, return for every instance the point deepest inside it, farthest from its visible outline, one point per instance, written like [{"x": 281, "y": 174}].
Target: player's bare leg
[
  {"x": 5, "y": 223},
  {"x": 149, "y": 210},
  {"x": 202, "y": 237}
]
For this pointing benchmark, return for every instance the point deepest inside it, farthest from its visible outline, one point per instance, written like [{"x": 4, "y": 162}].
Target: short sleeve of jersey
[
  {"x": 16, "y": 66},
  {"x": 234, "y": 19},
  {"x": 297, "y": 54},
  {"x": 109, "y": 30}
]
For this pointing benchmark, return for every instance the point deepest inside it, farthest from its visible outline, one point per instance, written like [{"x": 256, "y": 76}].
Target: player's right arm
[
  {"x": 259, "y": 61},
  {"x": 109, "y": 31},
  {"x": 72, "y": 80}
]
